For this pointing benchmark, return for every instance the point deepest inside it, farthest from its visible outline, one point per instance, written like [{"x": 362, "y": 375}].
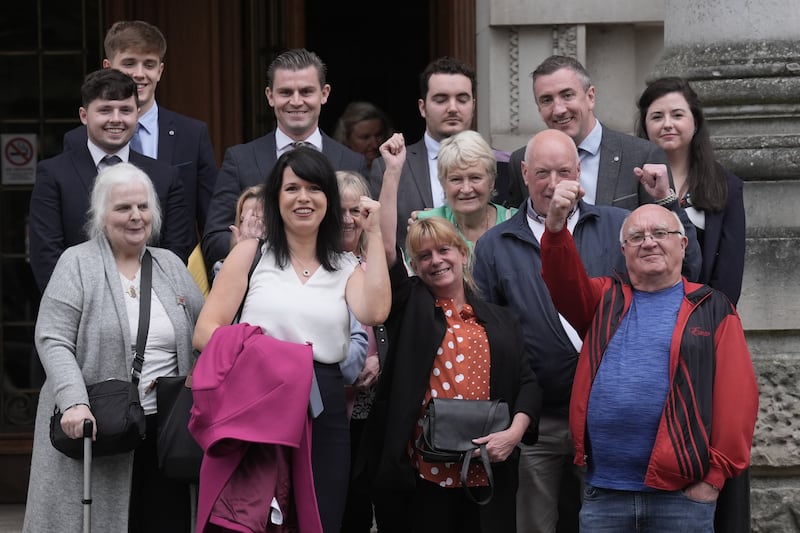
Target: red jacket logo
[{"x": 697, "y": 331}]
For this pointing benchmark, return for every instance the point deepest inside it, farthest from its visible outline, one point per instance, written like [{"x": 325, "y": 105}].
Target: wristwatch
[{"x": 672, "y": 197}]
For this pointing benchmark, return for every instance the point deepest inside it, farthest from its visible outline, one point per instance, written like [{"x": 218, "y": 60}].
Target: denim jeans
[{"x": 614, "y": 511}]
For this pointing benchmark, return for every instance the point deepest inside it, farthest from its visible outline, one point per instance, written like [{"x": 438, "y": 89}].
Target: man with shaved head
[
  {"x": 665, "y": 400},
  {"x": 507, "y": 269}
]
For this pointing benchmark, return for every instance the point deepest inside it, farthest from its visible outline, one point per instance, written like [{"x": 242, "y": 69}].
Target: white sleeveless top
[{"x": 314, "y": 312}]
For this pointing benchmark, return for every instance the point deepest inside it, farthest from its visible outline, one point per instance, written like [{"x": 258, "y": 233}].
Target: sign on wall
[{"x": 19, "y": 158}]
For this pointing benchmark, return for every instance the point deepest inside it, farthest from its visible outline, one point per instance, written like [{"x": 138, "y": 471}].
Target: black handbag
[
  {"x": 179, "y": 455},
  {"x": 114, "y": 403},
  {"x": 448, "y": 427},
  {"x": 120, "y": 421}
]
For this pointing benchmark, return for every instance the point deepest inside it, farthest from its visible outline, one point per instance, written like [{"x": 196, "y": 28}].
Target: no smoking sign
[{"x": 19, "y": 158}]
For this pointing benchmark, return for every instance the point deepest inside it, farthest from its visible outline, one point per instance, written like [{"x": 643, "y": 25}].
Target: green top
[{"x": 444, "y": 211}]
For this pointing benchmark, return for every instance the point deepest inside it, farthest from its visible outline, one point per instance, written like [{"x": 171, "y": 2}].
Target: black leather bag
[
  {"x": 120, "y": 421},
  {"x": 115, "y": 403},
  {"x": 179, "y": 455},
  {"x": 448, "y": 427}
]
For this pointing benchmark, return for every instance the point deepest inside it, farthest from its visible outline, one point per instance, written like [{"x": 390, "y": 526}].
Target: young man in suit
[
  {"x": 137, "y": 48},
  {"x": 565, "y": 97},
  {"x": 60, "y": 196},
  {"x": 296, "y": 90},
  {"x": 447, "y": 103}
]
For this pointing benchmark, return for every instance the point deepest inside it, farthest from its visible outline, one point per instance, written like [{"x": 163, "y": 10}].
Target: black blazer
[
  {"x": 415, "y": 329},
  {"x": 184, "y": 143},
  {"x": 724, "y": 243},
  {"x": 249, "y": 164},
  {"x": 616, "y": 183},
  {"x": 60, "y": 203}
]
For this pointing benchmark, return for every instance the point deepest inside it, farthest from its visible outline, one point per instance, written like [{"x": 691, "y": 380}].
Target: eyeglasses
[{"x": 637, "y": 239}]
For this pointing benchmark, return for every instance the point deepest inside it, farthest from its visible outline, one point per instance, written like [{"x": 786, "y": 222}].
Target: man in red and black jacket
[{"x": 665, "y": 400}]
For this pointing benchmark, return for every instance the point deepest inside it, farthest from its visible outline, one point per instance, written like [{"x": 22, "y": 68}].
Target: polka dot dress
[{"x": 460, "y": 370}]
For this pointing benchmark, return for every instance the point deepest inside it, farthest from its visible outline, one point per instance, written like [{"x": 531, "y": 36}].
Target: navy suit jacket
[
  {"x": 184, "y": 143},
  {"x": 245, "y": 165},
  {"x": 724, "y": 243},
  {"x": 60, "y": 203},
  {"x": 616, "y": 183}
]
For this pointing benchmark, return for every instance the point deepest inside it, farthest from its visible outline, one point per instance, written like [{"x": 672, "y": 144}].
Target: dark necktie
[
  {"x": 109, "y": 161},
  {"x": 136, "y": 141},
  {"x": 298, "y": 144}
]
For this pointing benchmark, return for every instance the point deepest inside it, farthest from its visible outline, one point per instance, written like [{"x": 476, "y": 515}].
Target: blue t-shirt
[{"x": 629, "y": 391}]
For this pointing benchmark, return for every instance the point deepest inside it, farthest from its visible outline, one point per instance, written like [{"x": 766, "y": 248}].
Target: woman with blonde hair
[{"x": 445, "y": 342}]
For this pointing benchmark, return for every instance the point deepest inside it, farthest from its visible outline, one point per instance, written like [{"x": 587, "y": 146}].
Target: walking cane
[{"x": 87, "y": 476}]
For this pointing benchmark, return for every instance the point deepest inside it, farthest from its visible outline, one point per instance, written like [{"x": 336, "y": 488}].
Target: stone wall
[{"x": 749, "y": 90}]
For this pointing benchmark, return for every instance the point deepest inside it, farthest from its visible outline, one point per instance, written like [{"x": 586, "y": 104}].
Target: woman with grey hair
[
  {"x": 85, "y": 332},
  {"x": 468, "y": 170}
]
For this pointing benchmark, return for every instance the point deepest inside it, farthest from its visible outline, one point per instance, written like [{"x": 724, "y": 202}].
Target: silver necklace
[{"x": 306, "y": 272}]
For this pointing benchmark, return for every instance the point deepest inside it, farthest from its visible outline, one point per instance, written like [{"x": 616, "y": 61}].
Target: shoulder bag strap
[
  {"x": 382, "y": 341},
  {"x": 144, "y": 316},
  {"x": 256, "y": 259}
]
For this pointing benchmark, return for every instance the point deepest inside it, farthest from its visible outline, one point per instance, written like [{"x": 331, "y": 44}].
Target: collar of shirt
[
  {"x": 148, "y": 131},
  {"x": 591, "y": 143},
  {"x": 589, "y": 152},
  {"x": 98, "y": 154},
  {"x": 536, "y": 221},
  {"x": 437, "y": 191},
  {"x": 284, "y": 143},
  {"x": 432, "y": 145}
]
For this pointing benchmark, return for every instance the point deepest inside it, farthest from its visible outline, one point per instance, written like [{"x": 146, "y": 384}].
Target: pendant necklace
[
  {"x": 130, "y": 284},
  {"x": 306, "y": 272}
]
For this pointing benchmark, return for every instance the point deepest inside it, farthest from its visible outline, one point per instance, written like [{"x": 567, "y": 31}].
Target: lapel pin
[{"x": 172, "y": 132}]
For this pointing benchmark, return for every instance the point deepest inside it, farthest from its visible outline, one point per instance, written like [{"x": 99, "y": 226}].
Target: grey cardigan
[{"x": 82, "y": 336}]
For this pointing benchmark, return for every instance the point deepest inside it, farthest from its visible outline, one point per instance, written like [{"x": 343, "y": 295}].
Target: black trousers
[
  {"x": 434, "y": 509},
  {"x": 330, "y": 448},
  {"x": 158, "y": 504},
  {"x": 358, "y": 512},
  {"x": 733, "y": 505}
]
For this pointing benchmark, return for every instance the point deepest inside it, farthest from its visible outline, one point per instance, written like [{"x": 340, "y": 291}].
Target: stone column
[{"x": 743, "y": 59}]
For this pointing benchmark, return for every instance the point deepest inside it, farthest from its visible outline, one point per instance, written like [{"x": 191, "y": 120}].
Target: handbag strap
[
  {"x": 490, "y": 416},
  {"x": 382, "y": 342},
  {"x": 487, "y": 465},
  {"x": 256, "y": 259},
  {"x": 144, "y": 316}
]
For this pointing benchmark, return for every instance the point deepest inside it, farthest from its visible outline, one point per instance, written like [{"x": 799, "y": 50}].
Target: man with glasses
[
  {"x": 507, "y": 269},
  {"x": 665, "y": 398}
]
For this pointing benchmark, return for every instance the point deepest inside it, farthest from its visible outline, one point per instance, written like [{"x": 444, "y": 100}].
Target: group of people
[{"x": 589, "y": 280}]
